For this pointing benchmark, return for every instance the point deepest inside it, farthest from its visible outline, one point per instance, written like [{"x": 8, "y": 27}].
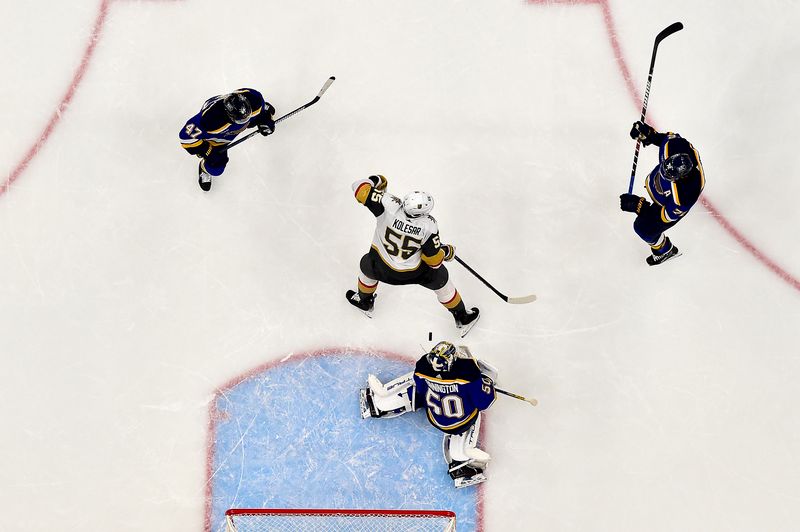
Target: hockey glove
[
  {"x": 379, "y": 182},
  {"x": 642, "y": 132},
  {"x": 265, "y": 129},
  {"x": 449, "y": 252},
  {"x": 201, "y": 150},
  {"x": 632, "y": 203}
]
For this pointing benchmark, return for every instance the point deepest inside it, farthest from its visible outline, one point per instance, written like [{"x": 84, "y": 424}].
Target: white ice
[{"x": 667, "y": 395}]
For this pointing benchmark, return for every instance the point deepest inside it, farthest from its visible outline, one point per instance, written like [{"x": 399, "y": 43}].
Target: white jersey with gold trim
[{"x": 399, "y": 239}]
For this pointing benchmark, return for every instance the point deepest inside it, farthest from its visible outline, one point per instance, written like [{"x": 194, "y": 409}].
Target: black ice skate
[
  {"x": 655, "y": 260},
  {"x": 466, "y": 320},
  {"x": 463, "y": 474},
  {"x": 365, "y": 305},
  {"x": 203, "y": 179}
]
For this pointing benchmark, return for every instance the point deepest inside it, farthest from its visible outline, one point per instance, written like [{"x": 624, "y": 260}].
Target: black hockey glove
[
  {"x": 643, "y": 132},
  {"x": 266, "y": 125},
  {"x": 201, "y": 150},
  {"x": 632, "y": 203},
  {"x": 449, "y": 251}
]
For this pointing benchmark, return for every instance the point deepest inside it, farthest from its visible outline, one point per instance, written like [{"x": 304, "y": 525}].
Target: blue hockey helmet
[
  {"x": 676, "y": 166},
  {"x": 442, "y": 356},
  {"x": 238, "y": 108}
]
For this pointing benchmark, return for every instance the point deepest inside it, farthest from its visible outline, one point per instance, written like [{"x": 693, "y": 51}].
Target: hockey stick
[
  {"x": 513, "y": 300},
  {"x": 666, "y": 32},
  {"x": 284, "y": 117},
  {"x": 534, "y": 402},
  {"x": 487, "y": 369}
]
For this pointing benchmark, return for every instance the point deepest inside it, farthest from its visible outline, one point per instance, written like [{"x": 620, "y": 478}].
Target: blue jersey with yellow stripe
[
  {"x": 453, "y": 399},
  {"x": 675, "y": 197},
  {"x": 211, "y": 127}
]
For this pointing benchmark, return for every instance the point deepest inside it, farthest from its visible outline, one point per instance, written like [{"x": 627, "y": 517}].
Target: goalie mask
[
  {"x": 237, "y": 107},
  {"x": 676, "y": 166},
  {"x": 442, "y": 356}
]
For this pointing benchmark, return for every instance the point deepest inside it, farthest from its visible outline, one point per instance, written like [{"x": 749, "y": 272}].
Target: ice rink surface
[{"x": 129, "y": 297}]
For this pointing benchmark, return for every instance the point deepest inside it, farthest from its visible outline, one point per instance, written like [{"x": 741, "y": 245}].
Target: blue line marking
[{"x": 292, "y": 437}]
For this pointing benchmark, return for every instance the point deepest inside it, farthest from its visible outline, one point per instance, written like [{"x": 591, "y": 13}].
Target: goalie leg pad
[
  {"x": 464, "y": 447},
  {"x": 398, "y": 385},
  {"x": 390, "y": 400}
]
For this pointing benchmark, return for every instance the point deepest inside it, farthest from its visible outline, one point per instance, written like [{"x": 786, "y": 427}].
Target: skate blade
[
  {"x": 464, "y": 482},
  {"x": 367, "y": 313},
  {"x": 465, "y": 329},
  {"x": 675, "y": 256}
]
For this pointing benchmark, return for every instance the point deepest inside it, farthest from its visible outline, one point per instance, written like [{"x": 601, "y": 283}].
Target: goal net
[{"x": 280, "y": 520}]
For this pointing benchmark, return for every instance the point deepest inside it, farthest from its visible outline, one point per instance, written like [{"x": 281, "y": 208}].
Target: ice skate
[
  {"x": 467, "y": 320},
  {"x": 464, "y": 474},
  {"x": 204, "y": 179},
  {"x": 655, "y": 260},
  {"x": 365, "y": 305}
]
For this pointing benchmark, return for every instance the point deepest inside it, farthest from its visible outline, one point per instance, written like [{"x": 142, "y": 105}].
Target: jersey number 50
[{"x": 450, "y": 405}]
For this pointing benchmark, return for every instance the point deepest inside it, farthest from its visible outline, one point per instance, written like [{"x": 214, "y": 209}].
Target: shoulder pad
[
  {"x": 466, "y": 369},
  {"x": 430, "y": 221},
  {"x": 423, "y": 366}
]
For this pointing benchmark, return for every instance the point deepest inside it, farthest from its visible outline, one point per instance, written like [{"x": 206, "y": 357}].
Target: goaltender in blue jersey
[
  {"x": 454, "y": 388},
  {"x": 221, "y": 118},
  {"x": 453, "y": 395}
]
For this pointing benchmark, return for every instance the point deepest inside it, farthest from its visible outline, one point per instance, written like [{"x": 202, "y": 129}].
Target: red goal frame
[{"x": 446, "y": 514}]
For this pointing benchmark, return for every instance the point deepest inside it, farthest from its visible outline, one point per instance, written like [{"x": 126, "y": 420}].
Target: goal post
[{"x": 323, "y": 520}]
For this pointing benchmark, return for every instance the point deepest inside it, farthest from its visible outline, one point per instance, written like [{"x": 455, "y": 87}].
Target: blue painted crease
[{"x": 292, "y": 437}]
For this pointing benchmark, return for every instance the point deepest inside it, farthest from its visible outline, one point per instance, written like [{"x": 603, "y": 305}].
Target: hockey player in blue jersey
[
  {"x": 454, "y": 388},
  {"x": 674, "y": 186},
  {"x": 219, "y": 121}
]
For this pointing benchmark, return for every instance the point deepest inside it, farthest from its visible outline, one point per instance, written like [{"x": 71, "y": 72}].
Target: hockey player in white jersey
[{"x": 406, "y": 250}]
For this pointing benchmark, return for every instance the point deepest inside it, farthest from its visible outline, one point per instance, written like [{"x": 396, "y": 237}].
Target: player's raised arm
[{"x": 369, "y": 192}]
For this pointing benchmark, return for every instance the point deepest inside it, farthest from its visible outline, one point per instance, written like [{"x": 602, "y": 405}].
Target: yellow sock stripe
[
  {"x": 454, "y": 301},
  {"x": 658, "y": 246},
  {"x": 366, "y": 289}
]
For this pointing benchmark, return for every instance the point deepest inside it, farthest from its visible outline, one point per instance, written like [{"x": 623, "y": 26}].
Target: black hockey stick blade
[
  {"x": 287, "y": 115},
  {"x": 669, "y": 30},
  {"x": 513, "y": 300},
  {"x": 324, "y": 88}
]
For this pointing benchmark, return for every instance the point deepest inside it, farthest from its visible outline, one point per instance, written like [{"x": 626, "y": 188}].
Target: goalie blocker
[{"x": 454, "y": 388}]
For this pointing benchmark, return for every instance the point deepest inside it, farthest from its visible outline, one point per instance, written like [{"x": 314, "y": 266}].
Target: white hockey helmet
[{"x": 417, "y": 204}]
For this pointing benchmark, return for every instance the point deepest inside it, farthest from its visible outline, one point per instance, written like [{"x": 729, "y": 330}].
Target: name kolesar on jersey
[{"x": 406, "y": 228}]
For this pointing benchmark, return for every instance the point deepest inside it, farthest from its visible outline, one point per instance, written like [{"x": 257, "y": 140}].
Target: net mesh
[{"x": 340, "y": 521}]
